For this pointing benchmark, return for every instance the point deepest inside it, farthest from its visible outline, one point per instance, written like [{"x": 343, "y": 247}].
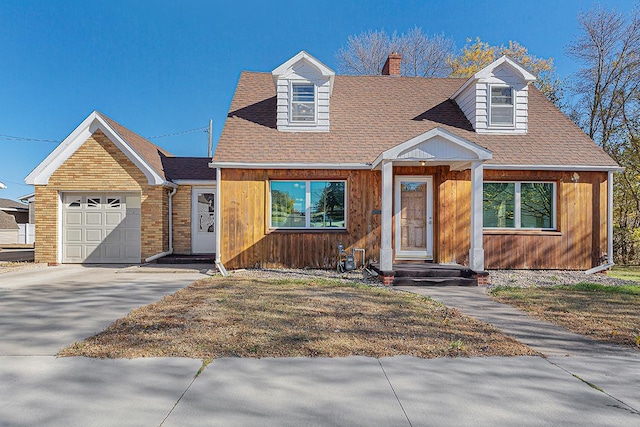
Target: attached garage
[
  {"x": 106, "y": 195},
  {"x": 100, "y": 228}
]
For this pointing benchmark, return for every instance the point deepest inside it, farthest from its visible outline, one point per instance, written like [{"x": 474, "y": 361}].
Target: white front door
[
  {"x": 203, "y": 229},
  {"x": 414, "y": 217}
]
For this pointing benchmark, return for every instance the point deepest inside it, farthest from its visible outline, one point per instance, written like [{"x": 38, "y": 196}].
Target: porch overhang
[{"x": 435, "y": 147}]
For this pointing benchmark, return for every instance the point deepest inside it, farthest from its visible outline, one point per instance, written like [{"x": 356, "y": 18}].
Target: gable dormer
[
  {"x": 495, "y": 99},
  {"x": 303, "y": 90}
]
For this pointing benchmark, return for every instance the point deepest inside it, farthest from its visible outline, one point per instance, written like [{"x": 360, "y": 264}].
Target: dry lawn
[
  {"x": 604, "y": 313},
  {"x": 236, "y": 317}
]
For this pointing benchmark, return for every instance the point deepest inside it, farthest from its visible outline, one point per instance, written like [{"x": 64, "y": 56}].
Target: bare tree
[
  {"x": 425, "y": 56},
  {"x": 608, "y": 109},
  {"x": 365, "y": 53},
  {"x": 422, "y": 55},
  {"x": 608, "y": 83}
]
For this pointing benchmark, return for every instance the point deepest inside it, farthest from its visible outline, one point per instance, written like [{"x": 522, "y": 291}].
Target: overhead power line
[
  {"x": 25, "y": 139},
  {"x": 22, "y": 138},
  {"x": 203, "y": 129}
]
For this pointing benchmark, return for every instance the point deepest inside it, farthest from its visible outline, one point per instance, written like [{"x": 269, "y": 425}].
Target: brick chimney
[{"x": 392, "y": 65}]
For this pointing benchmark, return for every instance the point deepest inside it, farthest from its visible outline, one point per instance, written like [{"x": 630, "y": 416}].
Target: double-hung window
[
  {"x": 308, "y": 204},
  {"x": 502, "y": 106},
  {"x": 519, "y": 205},
  {"x": 303, "y": 102}
]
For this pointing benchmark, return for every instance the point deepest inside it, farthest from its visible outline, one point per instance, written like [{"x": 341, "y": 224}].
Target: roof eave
[{"x": 41, "y": 174}]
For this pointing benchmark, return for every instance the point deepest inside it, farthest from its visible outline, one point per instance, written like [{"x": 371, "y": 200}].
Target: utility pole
[{"x": 210, "y": 152}]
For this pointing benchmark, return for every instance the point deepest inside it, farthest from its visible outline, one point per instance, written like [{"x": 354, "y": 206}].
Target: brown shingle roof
[
  {"x": 12, "y": 204},
  {"x": 7, "y": 222},
  {"x": 195, "y": 168},
  {"x": 370, "y": 114},
  {"x": 151, "y": 153}
]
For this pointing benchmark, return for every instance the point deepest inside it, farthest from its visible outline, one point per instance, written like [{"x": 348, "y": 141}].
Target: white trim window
[
  {"x": 519, "y": 205},
  {"x": 501, "y": 106},
  {"x": 307, "y": 204},
  {"x": 303, "y": 103}
]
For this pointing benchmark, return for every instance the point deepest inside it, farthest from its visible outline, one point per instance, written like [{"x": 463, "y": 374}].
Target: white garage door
[{"x": 101, "y": 228}]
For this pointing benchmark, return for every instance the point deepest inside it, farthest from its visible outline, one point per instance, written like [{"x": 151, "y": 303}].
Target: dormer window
[
  {"x": 303, "y": 94},
  {"x": 496, "y": 98},
  {"x": 303, "y": 103},
  {"x": 502, "y": 107}
]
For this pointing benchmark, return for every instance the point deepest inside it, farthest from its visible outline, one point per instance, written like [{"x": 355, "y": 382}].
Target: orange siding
[
  {"x": 247, "y": 241},
  {"x": 581, "y": 237}
]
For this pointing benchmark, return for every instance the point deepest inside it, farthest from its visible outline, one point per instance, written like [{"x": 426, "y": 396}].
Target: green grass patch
[{"x": 625, "y": 272}]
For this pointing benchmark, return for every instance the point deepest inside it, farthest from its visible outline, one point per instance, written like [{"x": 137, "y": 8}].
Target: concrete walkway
[
  {"x": 42, "y": 311},
  {"x": 613, "y": 369}
]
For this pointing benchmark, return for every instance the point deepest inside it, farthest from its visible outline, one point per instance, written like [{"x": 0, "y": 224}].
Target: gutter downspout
[
  {"x": 218, "y": 220},
  {"x": 174, "y": 188},
  {"x": 610, "y": 262}
]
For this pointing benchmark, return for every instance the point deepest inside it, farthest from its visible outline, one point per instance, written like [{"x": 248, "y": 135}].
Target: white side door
[{"x": 203, "y": 228}]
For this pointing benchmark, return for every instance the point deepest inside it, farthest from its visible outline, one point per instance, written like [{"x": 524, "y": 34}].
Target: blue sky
[{"x": 160, "y": 67}]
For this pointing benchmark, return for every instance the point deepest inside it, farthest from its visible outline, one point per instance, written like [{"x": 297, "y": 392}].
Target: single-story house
[
  {"x": 13, "y": 215},
  {"x": 484, "y": 172}
]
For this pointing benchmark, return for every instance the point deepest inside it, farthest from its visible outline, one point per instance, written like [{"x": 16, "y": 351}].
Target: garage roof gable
[{"x": 144, "y": 154}]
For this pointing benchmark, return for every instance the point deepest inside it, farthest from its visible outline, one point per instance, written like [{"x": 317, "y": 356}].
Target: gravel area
[
  {"x": 520, "y": 278},
  {"x": 525, "y": 278},
  {"x": 358, "y": 276}
]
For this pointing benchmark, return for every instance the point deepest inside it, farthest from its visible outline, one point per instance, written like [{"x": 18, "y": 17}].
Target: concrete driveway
[{"x": 43, "y": 309}]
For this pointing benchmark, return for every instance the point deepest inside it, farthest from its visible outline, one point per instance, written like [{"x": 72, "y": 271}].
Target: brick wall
[
  {"x": 99, "y": 165},
  {"x": 182, "y": 220}
]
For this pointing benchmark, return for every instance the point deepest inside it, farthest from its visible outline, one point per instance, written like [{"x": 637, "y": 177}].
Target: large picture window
[
  {"x": 502, "y": 111},
  {"x": 308, "y": 204},
  {"x": 520, "y": 205}
]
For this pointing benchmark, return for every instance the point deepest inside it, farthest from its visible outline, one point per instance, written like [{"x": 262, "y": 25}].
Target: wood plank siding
[
  {"x": 581, "y": 236},
  {"x": 246, "y": 240}
]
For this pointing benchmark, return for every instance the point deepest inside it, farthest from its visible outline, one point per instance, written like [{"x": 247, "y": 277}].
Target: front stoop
[
  {"x": 430, "y": 274},
  {"x": 187, "y": 259}
]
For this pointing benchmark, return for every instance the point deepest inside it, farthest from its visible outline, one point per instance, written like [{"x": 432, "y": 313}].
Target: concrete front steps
[
  {"x": 430, "y": 274},
  {"x": 187, "y": 259}
]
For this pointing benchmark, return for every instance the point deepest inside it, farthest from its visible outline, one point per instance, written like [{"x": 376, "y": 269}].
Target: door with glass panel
[
  {"x": 414, "y": 217},
  {"x": 203, "y": 228}
]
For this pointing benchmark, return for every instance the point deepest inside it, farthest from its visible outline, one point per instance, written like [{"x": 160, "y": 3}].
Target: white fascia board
[
  {"x": 556, "y": 168},
  {"x": 41, "y": 174},
  {"x": 207, "y": 182},
  {"x": 486, "y": 72},
  {"x": 392, "y": 153},
  {"x": 152, "y": 176},
  {"x": 28, "y": 197},
  {"x": 25, "y": 209},
  {"x": 466, "y": 84},
  {"x": 323, "y": 70},
  {"x": 303, "y": 56},
  {"x": 241, "y": 165}
]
